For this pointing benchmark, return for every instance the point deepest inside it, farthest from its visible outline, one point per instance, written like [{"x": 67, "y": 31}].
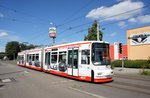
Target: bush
[
  {"x": 145, "y": 72},
  {"x": 132, "y": 64}
]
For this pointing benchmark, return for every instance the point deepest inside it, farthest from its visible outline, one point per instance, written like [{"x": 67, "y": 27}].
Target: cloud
[
  {"x": 113, "y": 34},
  {"x": 3, "y": 34},
  {"x": 7, "y": 36},
  {"x": 141, "y": 19},
  {"x": 122, "y": 7},
  {"x": 122, "y": 24}
]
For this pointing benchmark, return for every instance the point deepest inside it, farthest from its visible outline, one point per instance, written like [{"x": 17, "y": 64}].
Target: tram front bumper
[
  {"x": 102, "y": 80},
  {"x": 103, "y": 76}
]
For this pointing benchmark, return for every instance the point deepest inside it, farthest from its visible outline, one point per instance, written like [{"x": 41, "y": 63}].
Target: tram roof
[
  {"x": 72, "y": 43},
  {"x": 64, "y": 44}
]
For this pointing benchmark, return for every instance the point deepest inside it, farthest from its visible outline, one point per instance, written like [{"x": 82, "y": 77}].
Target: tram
[
  {"x": 83, "y": 60},
  {"x": 21, "y": 58}
]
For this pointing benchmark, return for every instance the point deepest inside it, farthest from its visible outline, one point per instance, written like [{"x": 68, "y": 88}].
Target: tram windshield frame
[{"x": 100, "y": 54}]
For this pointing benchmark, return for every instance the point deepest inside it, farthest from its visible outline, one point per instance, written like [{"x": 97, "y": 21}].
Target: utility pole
[
  {"x": 122, "y": 59},
  {"x": 121, "y": 52},
  {"x": 97, "y": 31}
]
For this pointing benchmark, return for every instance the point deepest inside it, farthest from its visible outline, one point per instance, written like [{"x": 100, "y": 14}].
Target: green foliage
[
  {"x": 27, "y": 47},
  {"x": 31, "y": 46},
  {"x": 92, "y": 33},
  {"x": 148, "y": 60},
  {"x": 145, "y": 72},
  {"x": 13, "y": 47},
  {"x": 11, "y": 50},
  {"x": 132, "y": 64}
]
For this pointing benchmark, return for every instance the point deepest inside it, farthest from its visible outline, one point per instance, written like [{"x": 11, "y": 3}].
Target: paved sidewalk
[{"x": 128, "y": 71}]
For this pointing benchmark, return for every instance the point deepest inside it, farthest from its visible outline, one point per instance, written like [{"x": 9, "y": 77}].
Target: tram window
[
  {"x": 74, "y": 59},
  {"x": 85, "y": 57},
  {"x": 36, "y": 60},
  {"x": 30, "y": 57},
  {"x": 19, "y": 57},
  {"x": 33, "y": 57},
  {"x": 70, "y": 58},
  {"x": 22, "y": 57},
  {"x": 100, "y": 54},
  {"x": 62, "y": 57},
  {"x": 54, "y": 57},
  {"x": 37, "y": 57},
  {"x": 47, "y": 58}
]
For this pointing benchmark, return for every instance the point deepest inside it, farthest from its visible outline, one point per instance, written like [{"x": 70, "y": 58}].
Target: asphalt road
[{"x": 20, "y": 82}]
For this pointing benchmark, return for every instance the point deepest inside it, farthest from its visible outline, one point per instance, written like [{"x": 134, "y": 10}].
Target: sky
[{"x": 29, "y": 20}]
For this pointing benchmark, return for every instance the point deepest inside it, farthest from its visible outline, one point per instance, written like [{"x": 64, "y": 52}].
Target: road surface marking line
[
  {"x": 91, "y": 94},
  {"x": 6, "y": 80}
]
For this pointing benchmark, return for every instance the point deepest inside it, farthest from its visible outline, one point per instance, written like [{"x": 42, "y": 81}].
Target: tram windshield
[{"x": 100, "y": 54}]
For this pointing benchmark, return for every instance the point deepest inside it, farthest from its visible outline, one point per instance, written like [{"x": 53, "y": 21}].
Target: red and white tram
[
  {"x": 21, "y": 58},
  {"x": 84, "y": 60}
]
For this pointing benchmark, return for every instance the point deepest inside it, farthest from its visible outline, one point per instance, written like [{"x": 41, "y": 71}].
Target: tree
[
  {"x": 31, "y": 46},
  {"x": 27, "y": 47},
  {"x": 92, "y": 33},
  {"x": 12, "y": 49}
]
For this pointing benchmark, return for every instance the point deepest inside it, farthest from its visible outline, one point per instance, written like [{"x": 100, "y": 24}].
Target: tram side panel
[
  {"x": 55, "y": 61},
  {"x": 84, "y": 62},
  {"x": 69, "y": 62},
  {"x": 34, "y": 60},
  {"x": 21, "y": 59}
]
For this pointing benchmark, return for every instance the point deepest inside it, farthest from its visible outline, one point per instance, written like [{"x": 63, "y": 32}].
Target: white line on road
[{"x": 91, "y": 94}]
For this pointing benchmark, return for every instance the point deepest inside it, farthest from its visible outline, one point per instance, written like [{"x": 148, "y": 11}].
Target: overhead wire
[
  {"x": 70, "y": 19},
  {"x": 127, "y": 12},
  {"x": 82, "y": 16},
  {"x": 71, "y": 28},
  {"x": 107, "y": 17},
  {"x": 22, "y": 21},
  {"x": 23, "y": 13},
  {"x": 102, "y": 25}
]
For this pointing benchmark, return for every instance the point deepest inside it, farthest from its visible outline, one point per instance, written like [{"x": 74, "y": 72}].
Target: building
[
  {"x": 138, "y": 43},
  {"x": 114, "y": 52}
]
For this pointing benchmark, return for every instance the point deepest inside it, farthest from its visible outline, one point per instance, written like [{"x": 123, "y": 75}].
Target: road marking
[
  {"x": 6, "y": 80},
  {"x": 26, "y": 71},
  {"x": 91, "y": 94}
]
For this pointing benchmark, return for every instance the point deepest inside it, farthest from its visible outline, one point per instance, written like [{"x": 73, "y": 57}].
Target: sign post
[{"x": 52, "y": 33}]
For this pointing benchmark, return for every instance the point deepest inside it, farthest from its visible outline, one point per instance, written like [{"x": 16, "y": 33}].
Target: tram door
[{"x": 73, "y": 62}]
